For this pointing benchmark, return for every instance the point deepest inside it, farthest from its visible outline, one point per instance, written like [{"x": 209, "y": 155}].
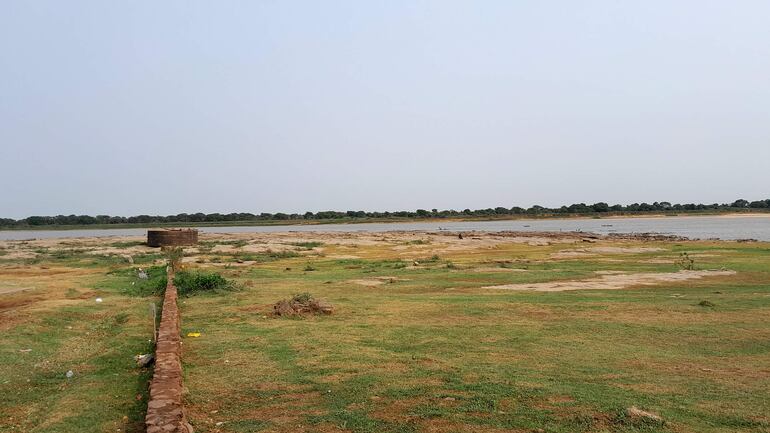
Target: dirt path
[{"x": 7, "y": 291}]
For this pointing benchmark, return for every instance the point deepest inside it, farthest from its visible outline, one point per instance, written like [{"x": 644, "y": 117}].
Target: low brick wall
[{"x": 164, "y": 409}]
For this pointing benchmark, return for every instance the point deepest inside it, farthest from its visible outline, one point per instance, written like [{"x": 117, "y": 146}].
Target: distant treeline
[{"x": 574, "y": 209}]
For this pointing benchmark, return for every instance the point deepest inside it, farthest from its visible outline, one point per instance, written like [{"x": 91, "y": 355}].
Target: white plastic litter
[{"x": 98, "y": 300}]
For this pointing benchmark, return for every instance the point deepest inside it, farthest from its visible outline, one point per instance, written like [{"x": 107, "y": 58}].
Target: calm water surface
[{"x": 728, "y": 228}]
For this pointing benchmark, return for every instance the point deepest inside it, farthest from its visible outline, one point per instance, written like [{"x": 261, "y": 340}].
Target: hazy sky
[{"x": 154, "y": 107}]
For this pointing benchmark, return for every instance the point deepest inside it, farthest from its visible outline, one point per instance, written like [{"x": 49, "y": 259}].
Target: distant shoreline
[{"x": 389, "y": 220}]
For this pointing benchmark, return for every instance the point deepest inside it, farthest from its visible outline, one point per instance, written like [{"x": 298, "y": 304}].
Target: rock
[
  {"x": 321, "y": 306},
  {"x": 635, "y": 413},
  {"x": 141, "y": 274},
  {"x": 70, "y": 374},
  {"x": 144, "y": 360},
  {"x": 283, "y": 308}
]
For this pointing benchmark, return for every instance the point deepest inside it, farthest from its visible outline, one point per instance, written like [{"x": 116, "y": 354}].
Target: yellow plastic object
[{"x": 193, "y": 334}]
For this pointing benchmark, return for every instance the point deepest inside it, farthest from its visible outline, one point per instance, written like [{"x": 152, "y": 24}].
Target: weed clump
[
  {"x": 302, "y": 303},
  {"x": 307, "y": 245},
  {"x": 188, "y": 283},
  {"x": 418, "y": 242},
  {"x": 708, "y": 304},
  {"x": 686, "y": 262}
]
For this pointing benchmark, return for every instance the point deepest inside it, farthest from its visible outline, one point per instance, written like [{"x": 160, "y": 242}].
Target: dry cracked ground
[{"x": 493, "y": 332}]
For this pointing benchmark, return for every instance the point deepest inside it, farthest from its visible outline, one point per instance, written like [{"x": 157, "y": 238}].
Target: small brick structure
[
  {"x": 172, "y": 237},
  {"x": 165, "y": 413}
]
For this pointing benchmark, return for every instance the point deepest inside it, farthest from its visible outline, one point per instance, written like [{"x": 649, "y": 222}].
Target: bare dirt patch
[
  {"x": 614, "y": 281},
  {"x": 376, "y": 281},
  {"x": 498, "y": 269},
  {"x": 595, "y": 251}
]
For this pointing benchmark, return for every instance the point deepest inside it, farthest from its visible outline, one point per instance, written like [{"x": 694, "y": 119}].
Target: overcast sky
[{"x": 114, "y": 107}]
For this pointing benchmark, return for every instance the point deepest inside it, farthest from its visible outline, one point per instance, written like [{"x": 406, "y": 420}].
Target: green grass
[
  {"x": 427, "y": 349},
  {"x": 193, "y": 282},
  {"x": 95, "y": 341},
  {"x": 520, "y": 361}
]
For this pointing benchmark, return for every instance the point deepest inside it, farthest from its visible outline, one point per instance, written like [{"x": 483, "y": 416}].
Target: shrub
[
  {"x": 307, "y": 245},
  {"x": 302, "y": 298},
  {"x": 174, "y": 256},
  {"x": 686, "y": 262},
  {"x": 188, "y": 282}
]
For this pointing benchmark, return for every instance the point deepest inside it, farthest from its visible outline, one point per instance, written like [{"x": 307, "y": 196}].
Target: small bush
[
  {"x": 188, "y": 283},
  {"x": 418, "y": 242},
  {"x": 174, "y": 256},
  {"x": 686, "y": 262},
  {"x": 127, "y": 244},
  {"x": 302, "y": 297},
  {"x": 309, "y": 268},
  {"x": 307, "y": 245}
]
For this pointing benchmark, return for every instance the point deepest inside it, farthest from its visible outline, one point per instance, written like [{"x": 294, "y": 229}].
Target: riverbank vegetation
[{"x": 326, "y": 217}]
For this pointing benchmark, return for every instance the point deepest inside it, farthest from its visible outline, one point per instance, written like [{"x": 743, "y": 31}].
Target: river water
[{"x": 696, "y": 227}]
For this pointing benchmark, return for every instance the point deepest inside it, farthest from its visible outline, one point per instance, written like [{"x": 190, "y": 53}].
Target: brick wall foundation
[{"x": 164, "y": 408}]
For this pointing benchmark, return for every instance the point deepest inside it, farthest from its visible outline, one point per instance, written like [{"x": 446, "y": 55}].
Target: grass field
[{"x": 430, "y": 334}]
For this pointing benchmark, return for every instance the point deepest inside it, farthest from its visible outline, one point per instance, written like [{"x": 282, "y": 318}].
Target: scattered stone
[
  {"x": 70, "y": 374},
  {"x": 144, "y": 360},
  {"x": 635, "y": 413},
  {"x": 141, "y": 274}
]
